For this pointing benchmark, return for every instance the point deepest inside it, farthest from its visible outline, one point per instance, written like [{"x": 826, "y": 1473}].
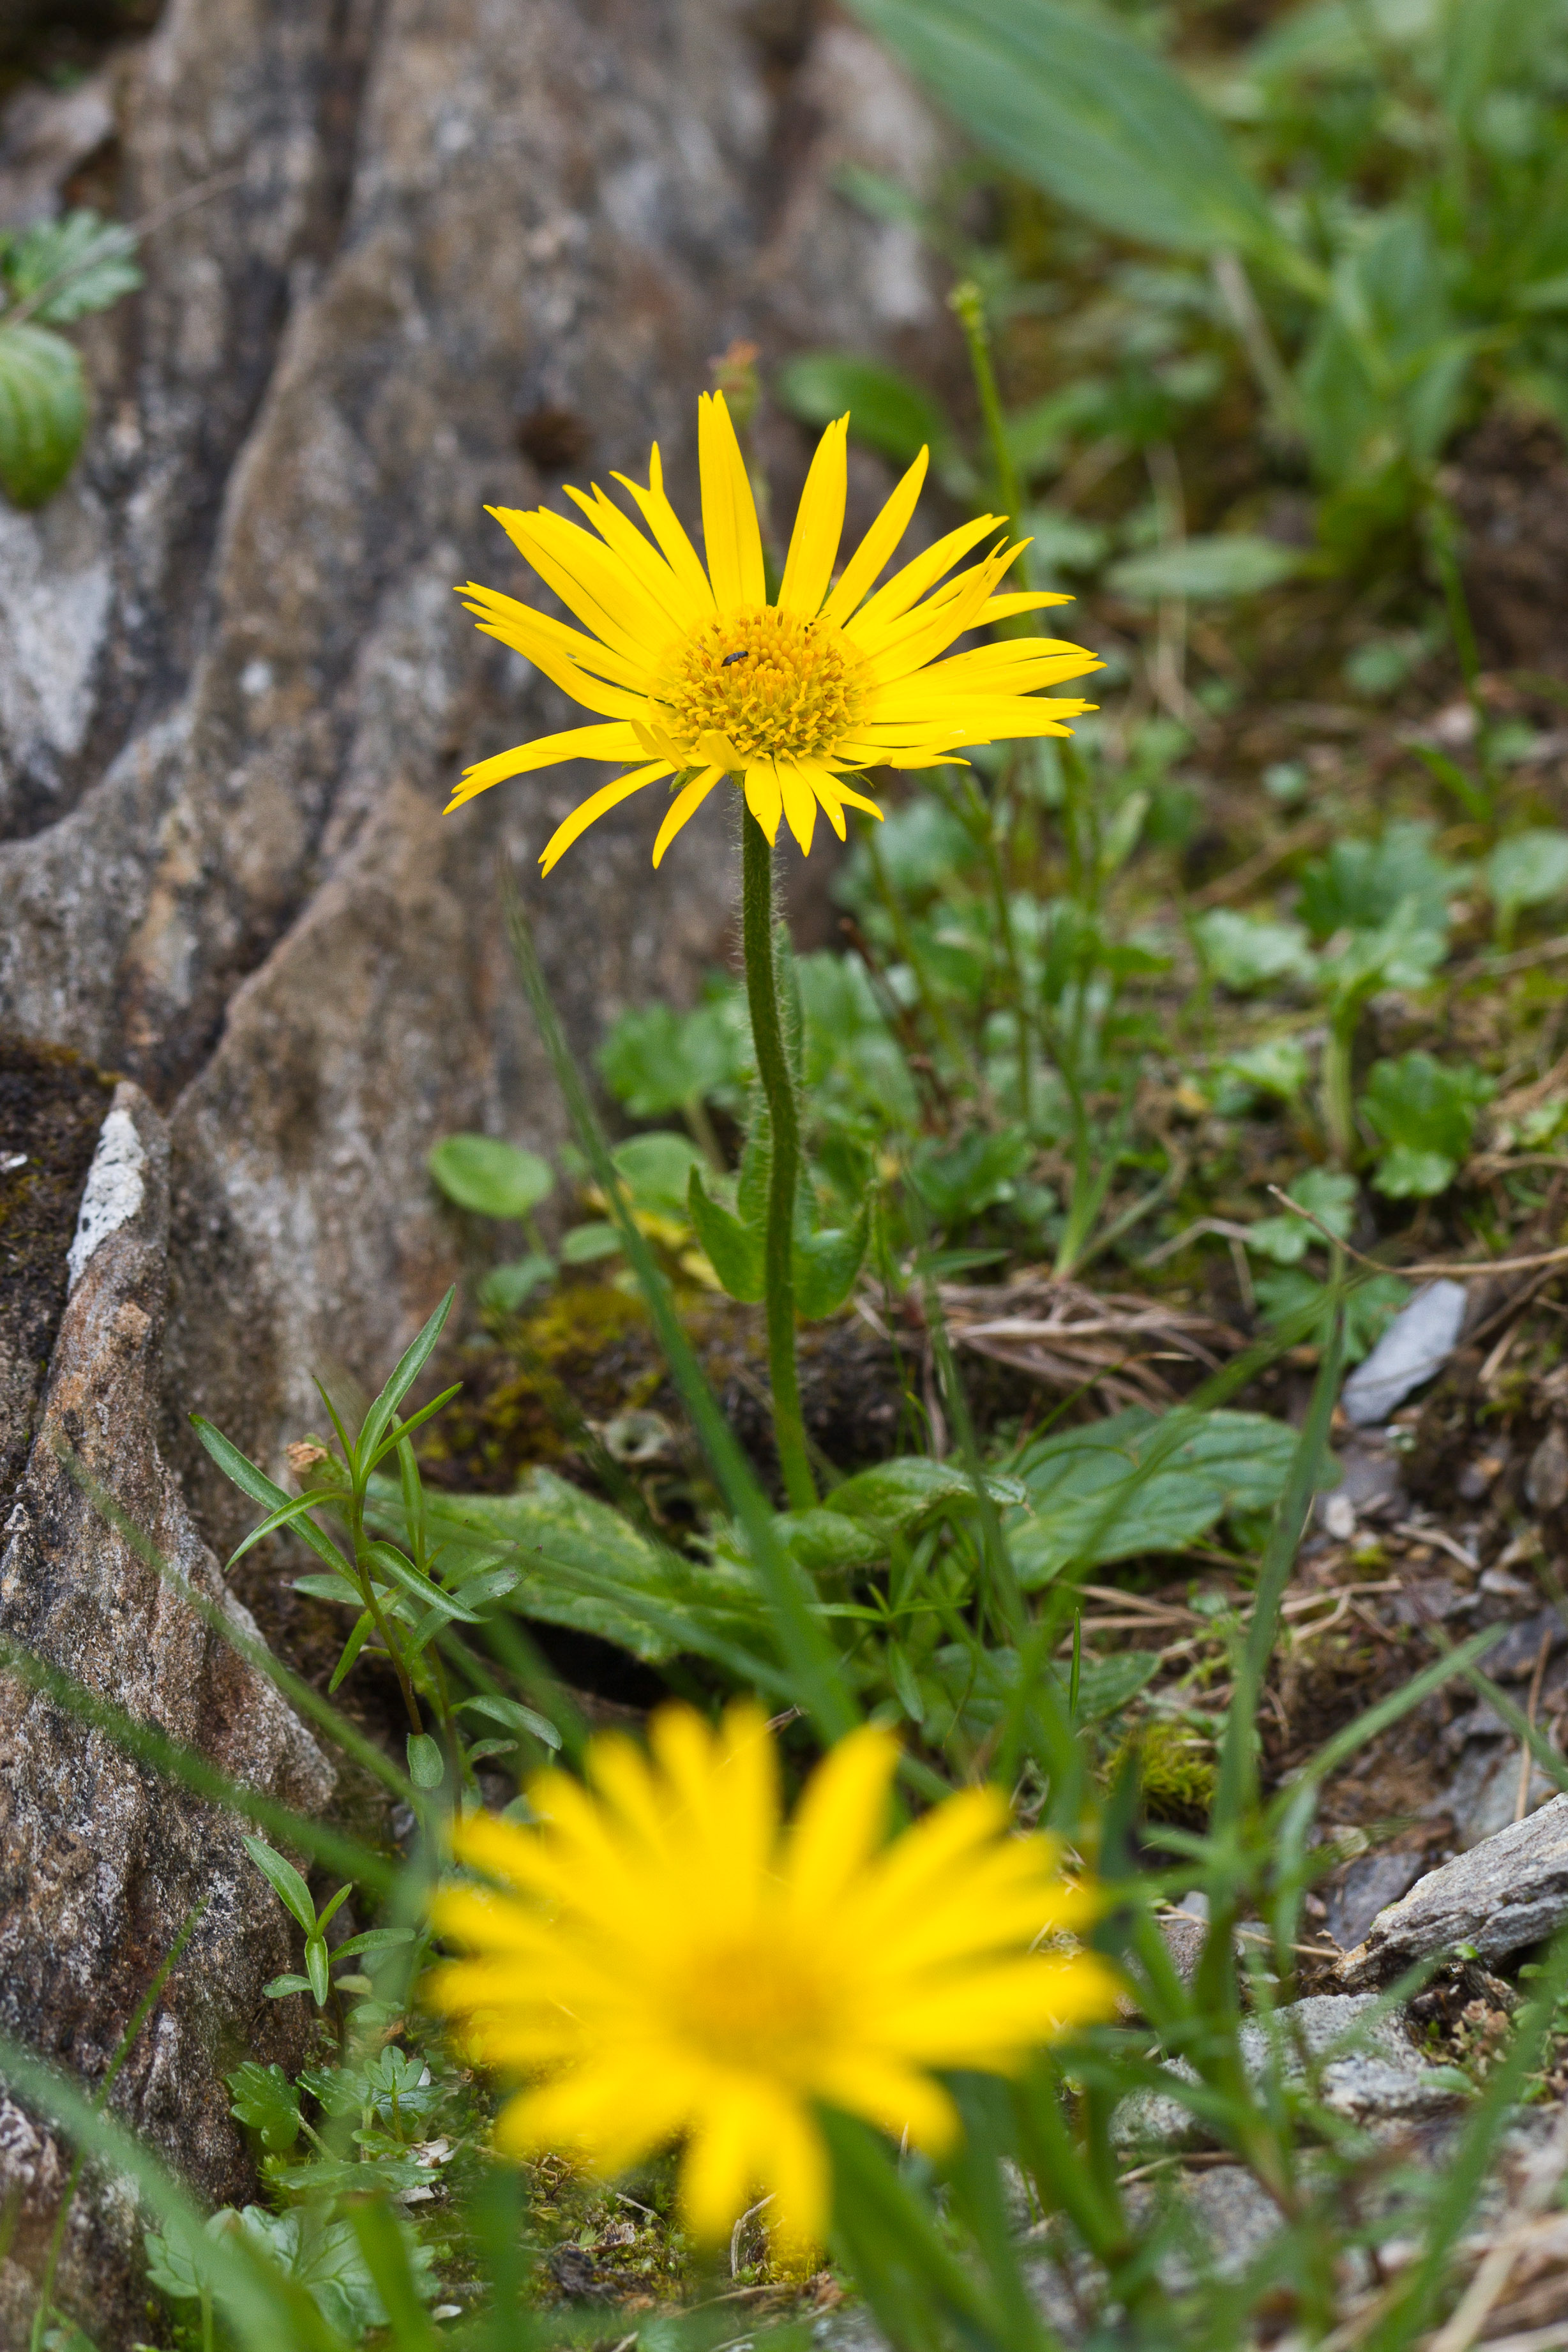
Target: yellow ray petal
[
  {"x": 763, "y": 797},
  {"x": 818, "y": 524},
  {"x": 1001, "y": 608},
  {"x": 910, "y": 582},
  {"x": 797, "y": 2173},
  {"x": 613, "y": 742},
  {"x": 653, "y": 574},
  {"x": 519, "y": 626},
  {"x": 684, "y": 806},
  {"x": 730, "y": 530},
  {"x": 876, "y": 548},
  {"x": 717, "y": 2174},
  {"x": 892, "y": 2095},
  {"x": 603, "y": 591},
  {"x": 596, "y": 805},
  {"x": 799, "y": 803},
  {"x": 842, "y": 1817},
  {"x": 824, "y": 784},
  {"x": 671, "y": 532}
]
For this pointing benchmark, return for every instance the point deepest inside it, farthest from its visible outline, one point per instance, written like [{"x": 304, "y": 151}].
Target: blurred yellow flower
[
  {"x": 660, "y": 1959},
  {"x": 696, "y": 675}
]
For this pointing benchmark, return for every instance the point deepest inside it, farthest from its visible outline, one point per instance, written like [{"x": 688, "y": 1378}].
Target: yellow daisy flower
[
  {"x": 696, "y": 675},
  {"x": 665, "y": 1961}
]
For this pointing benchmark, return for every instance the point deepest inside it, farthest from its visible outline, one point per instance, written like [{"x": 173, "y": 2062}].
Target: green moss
[{"x": 1175, "y": 1772}]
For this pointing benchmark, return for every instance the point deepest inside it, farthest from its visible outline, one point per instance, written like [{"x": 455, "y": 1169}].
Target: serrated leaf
[
  {"x": 1072, "y": 104},
  {"x": 1528, "y": 869},
  {"x": 1332, "y": 1197},
  {"x": 734, "y": 1251},
  {"x": 1424, "y": 1112},
  {"x": 656, "y": 1060},
  {"x": 284, "y": 1880},
  {"x": 263, "y": 2098},
  {"x": 1362, "y": 885},
  {"x": 43, "y": 412},
  {"x": 85, "y": 259},
  {"x": 489, "y": 1177}
]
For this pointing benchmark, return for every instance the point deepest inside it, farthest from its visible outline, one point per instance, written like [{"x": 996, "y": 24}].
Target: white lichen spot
[{"x": 114, "y": 1190}]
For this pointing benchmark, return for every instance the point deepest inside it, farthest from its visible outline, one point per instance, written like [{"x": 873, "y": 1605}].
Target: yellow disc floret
[{"x": 770, "y": 685}]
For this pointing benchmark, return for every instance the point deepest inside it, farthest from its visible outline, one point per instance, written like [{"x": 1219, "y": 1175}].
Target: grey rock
[
  {"x": 246, "y": 687},
  {"x": 1368, "y": 1886},
  {"x": 100, "y": 1860},
  {"x": 1366, "y": 2067},
  {"x": 1513, "y": 1658},
  {"x": 1546, "y": 1477},
  {"x": 1414, "y": 1348},
  {"x": 1502, "y": 1895}
]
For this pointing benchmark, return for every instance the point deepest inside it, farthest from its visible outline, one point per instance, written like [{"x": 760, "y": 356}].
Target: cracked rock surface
[
  {"x": 101, "y": 1859},
  {"x": 438, "y": 244},
  {"x": 408, "y": 256}
]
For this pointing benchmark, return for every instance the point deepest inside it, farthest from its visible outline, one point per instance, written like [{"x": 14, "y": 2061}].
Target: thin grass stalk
[
  {"x": 813, "y": 1664},
  {"x": 777, "y": 1080}
]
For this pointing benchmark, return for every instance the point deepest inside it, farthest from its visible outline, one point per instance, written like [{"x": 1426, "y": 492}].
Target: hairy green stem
[{"x": 778, "y": 1088}]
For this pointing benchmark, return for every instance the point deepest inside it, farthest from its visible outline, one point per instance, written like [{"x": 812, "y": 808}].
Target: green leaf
[
  {"x": 557, "y": 1530},
  {"x": 1278, "y": 1067},
  {"x": 89, "y": 257},
  {"x": 409, "y": 1366},
  {"x": 1361, "y": 885},
  {"x": 351, "y": 1650},
  {"x": 887, "y": 411},
  {"x": 1287, "y": 1238},
  {"x": 961, "y": 1182},
  {"x": 1289, "y": 1293},
  {"x": 508, "y": 1288},
  {"x": 656, "y": 1169},
  {"x": 316, "y": 1969},
  {"x": 1136, "y": 1483},
  {"x": 324, "y": 2258},
  {"x": 828, "y": 1541},
  {"x": 280, "y": 1988},
  {"x": 735, "y": 1251},
  {"x": 427, "y": 1765},
  {"x": 825, "y": 1266},
  {"x": 1205, "y": 570},
  {"x": 1424, "y": 1112},
  {"x": 898, "y": 1497},
  {"x": 514, "y": 1714},
  {"x": 1528, "y": 869},
  {"x": 264, "y": 2098},
  {"x": 1408, "y": 1174},
  {"x": 284, "y": 1880},
  {"x": 656, "y": 1060},
  {"x": 43, "y": 412},
  {"x": 491, "y": 1177},
  {"x": 1106, "y": 1685},
  {"x": 901, "y": 1675},
  {"x": 254, "y": 1483},
  {"x": 1071, "y": 103},
  {"x": 586, "y": 1245},
  {"x": 374, "y": 1939},
  {"x": 1246, "y": 951}
]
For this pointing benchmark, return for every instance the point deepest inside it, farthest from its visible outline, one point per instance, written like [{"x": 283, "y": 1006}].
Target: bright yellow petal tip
[
  {"x": 700, "y": 676},
  {"x": 663, "y": 1959}
]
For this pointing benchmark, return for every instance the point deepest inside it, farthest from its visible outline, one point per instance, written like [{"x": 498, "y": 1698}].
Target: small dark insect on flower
[{"x": 734, "y": 657}]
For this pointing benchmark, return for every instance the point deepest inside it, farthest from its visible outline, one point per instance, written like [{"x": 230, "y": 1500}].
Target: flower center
[
  {"x": 752, "y": 2006},
  {"x": 775, "y": 687}
]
